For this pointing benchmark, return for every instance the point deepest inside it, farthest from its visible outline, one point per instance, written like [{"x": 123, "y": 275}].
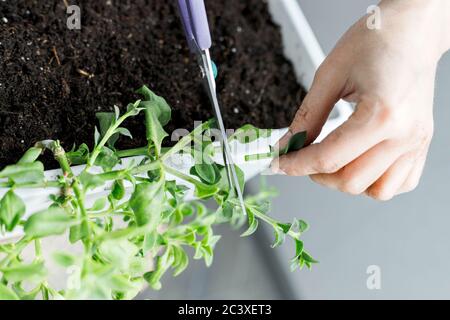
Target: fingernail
[
  {"x": 284, "y": 140},
  {"x": 275, "y": 168}
]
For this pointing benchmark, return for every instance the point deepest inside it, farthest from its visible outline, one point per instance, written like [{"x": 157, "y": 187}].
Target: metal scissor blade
[{"x": 228, "y": 160}]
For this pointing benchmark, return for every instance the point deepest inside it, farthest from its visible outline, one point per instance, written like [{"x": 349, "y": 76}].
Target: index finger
[{"x": 362, "y": 131}]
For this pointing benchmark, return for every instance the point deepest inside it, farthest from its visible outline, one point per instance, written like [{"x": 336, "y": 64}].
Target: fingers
[
  {"x": 380, "y": 178},
  {"x": 413, "y": 179},
  {"x": 360, "y": 133},
  {"x": 326, "y": 90},
  {"x": 391, "y": 181},
  {"x": 363, "y": 172}
]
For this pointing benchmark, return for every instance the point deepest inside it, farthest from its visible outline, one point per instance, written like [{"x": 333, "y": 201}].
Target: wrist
[
  {"x": 427, "y": 20},
  {"x": 439, "y": 17},
  {"x": 445, "y": 25}
]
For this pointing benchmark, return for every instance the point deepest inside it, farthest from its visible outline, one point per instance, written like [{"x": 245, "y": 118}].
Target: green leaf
[
  {"x": 298, "y": 249},
  {"x": 97, "y": 136},
  {"x": 198, "y": 251},
  {"x": 249, "y": 133},
  {"x": 204, "y": 191},
  {"x": 139, "y": 266},
  {"x": 118, "y": 190},
  {"x": 99, "y": 204},
  {"x": 186, "y": 209},
  {"x": 252, "y": 224},
  {"x": 78, "y": 156},
  {"x": 181, "y": 261},
  {"x": 189, "y": 237},
  {"x": 107, "y": 159},
  {"x": 90, "y": 181},
  {"x": 163, "y": 263},
  {"x": 208, "y": 173},
  {"x": 12, "y": 208},
  {"x": 53, "y": 221},
  {"x": 212, "y": 241},
  {"x": 286, "y": 227},
  {"x": 152, "y": 100},
  {"x": 147, "y": 203},
  {"x": 32, "y": 272},
  {"x": 24, "y": 172},
  {"x": 133, "y": 109},
  {"x": 118, "y": 252},
  {"x": 307, "y": 257},
  {"x": 227, "y": 210},
  {"x": 157, "y": 115},
  {"x": 30, "y": 156},
  {"x": 302, "y": 226},
  {"x": 150, "y": 241},
  {"x": 154, "y": 129},
  {"x": 64, "y": 259},
  {"x": 279, "y": 237},
  {"x": 106, "y": 120},
  {"x": 201, "y": 209},
  {"x": 296, "y": 142},
  {"x": 208, "y": 255},
  {"x": 296, "y": 264},
  {"x": 123, "y": 284},
  {"x": 154, "y": 175},
  {"x": 124, "y": 132},
  {"x": 177, "y": 191},
  {"x": 79, "y": 232},
  {"x": 223, "y": 183},
  {"x": 116, "y": 112},
  {"x": 298, "y": 261},
  {"x": 7, "y": 293},
  {"x": 297, "y": 226}
]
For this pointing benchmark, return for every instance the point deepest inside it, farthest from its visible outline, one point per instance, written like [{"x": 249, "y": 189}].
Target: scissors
[{"x": 196, "y": 27}]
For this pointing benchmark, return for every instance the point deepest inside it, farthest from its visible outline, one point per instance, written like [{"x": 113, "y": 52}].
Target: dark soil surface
[{"x": 53, "y": 80}]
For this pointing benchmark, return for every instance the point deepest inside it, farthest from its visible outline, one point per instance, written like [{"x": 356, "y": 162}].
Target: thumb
[{"x": 327, "y": 88}]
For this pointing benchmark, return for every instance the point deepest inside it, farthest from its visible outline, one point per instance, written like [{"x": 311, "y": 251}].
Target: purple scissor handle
[
  {"x": 195, "y": 23},
  {"x": 196, "y": 28}
]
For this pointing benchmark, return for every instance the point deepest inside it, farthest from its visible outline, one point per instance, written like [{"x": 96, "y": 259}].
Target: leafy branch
[{"x": 142, "y": 228}]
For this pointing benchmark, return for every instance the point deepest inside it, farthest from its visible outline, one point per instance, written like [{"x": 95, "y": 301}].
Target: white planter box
[{"x": 301, "y": 47}]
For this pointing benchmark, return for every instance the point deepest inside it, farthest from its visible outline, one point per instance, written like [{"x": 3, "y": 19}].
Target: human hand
[{"x": 389, "y": 73}]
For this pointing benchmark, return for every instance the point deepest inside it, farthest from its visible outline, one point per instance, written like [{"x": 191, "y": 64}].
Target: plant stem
[
  {"x": 132, "y": 152},
  {"x": 267, "y": 219},
  {"x": 38, "y": 249},
  {"x": 45, "y": 184},
  {"x": 185, "y": 141},
  {"x": 121, "y": 174},
  {"x": 20, "y": 245},
  {"x": 264, "y": 217},
  {"x": 109, "y": 133},
  {"x": 181, "y": 175},
  {"x": 60, "y": 156},
  {"x": 111, "y": 211},
  {"x": 146, "y": 167}
]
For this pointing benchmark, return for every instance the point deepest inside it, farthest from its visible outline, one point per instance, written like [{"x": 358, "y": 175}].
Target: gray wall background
[{"x": 408, "y": 238}]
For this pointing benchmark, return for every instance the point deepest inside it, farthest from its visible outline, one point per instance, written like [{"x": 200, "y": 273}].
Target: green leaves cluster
[{"x": 143, "y": 228}]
